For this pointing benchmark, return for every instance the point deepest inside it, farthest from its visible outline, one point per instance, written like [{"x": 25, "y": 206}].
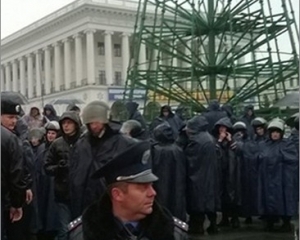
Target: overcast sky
[{"x": 17, "y": 14}]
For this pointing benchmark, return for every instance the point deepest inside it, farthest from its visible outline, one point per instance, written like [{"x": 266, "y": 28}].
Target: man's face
[
  {"x": 138, "y": 199},
  {"x": 34, "y": 112},
  {"x": 9, "y": 121},
  {"x": 51, "y": 135},
  {"x": 96, "y": 128},
  {"x": 250, "y": 112},
  {"x": 35, "y": 141},
  {"x": 260, "y": 131},
  {"x": 222, "y": 129},
  {"x": 275, "y": 135},
  {"x": 68, "y": 127},
  {"x": 48, "y": 112},
  {"x": 166, "y": 113}
]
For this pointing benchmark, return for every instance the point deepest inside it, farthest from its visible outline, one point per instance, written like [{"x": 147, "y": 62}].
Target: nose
[{"x": 151, "y": 191}]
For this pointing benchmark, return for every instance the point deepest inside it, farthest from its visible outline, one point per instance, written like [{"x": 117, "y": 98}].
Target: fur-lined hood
[{"x": 99, "y": 223}]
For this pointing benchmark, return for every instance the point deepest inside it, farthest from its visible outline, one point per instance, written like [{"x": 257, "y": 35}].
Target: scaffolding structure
[{"x": 191, "y": 51}]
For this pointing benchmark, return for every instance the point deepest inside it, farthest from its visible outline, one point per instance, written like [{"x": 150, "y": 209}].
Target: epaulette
[
  {"x": 74, "y": 224},
  {"x": 180, "y": 224}
]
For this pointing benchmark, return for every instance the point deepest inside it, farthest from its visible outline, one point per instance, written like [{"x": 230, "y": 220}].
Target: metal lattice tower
[{"x": 191, "y": 51}]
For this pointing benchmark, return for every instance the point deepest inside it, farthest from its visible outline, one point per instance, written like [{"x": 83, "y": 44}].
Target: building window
[
  {"x": 118, "y": 79},
  {"x": 101, "y": 49},
  {"x": 102, "y": 78},
  {"x": 117, "y": 50}
]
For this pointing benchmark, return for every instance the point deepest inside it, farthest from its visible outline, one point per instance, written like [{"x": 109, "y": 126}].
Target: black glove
[{"x": 62, "y": 163}]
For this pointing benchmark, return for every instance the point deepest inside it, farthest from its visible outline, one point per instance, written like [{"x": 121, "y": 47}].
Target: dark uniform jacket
[
  {"x": 98, "y": 222},
  {"x": 58, "y": 160},
  {"x": 12, "y": 174},
  {"x": 89, "y": 154}
]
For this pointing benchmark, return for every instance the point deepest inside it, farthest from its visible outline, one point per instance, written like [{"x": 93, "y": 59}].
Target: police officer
[
  {"x": 13, "y": 186},
  {"x": 128, "y": 209}
]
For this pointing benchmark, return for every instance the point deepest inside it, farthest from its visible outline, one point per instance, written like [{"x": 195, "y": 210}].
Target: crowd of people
[{"x": 86, "y": 175}]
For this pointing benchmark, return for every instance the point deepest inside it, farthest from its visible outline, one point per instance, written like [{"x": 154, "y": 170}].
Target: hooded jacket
[
  {"x": 229, "y": 169},
  {"x": 58, "y": 159},
  {"x": 213, "y": 114},
  {"x": 53, "y": 115},
  {"x": 89, "y": 154},
  {"x": 173, "y": 120},
  {"x": 169, "y": 165},
  {"x": 248, "y": 120},
  {"x": 134, "y": 114},
  {"x": 202, "y": 168},
  {"x": 228, "y": 109},
  {"x": 34, "y": 121}
]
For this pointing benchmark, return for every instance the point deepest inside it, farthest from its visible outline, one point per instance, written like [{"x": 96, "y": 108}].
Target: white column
[
  {"x": 57, "y": 66},
  {"x": 2, "y": 88},
  {"x": 38, "y": 86},
  {"x": 108, "y": 57},
  {"x": 125, "y": 55},
  {"x": 15, "y": 76},
  {"x": 175, "y": 60},
  {"x": 67, "y": 63},
  {"x": 90, "y": 48},
  {"x": 47, "y": 63},
  {"x": 187, "y": 65},
  {"x": 8, "y": 77},
  {"x": 142, "y": 57},
  {"x": 30, "y": 75},
  {"x": 78, "y": 57},
  {"x": 22, "y": 76}
]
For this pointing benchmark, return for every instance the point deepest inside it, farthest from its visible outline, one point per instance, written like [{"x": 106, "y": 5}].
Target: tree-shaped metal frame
[{"x": 192, "y": 51}]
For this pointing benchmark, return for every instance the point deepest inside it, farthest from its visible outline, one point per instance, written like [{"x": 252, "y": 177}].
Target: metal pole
[{"x": 211, "y": 49}]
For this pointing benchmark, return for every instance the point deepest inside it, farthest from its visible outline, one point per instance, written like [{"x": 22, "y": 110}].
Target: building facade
[{"x": 80, "y": 51}]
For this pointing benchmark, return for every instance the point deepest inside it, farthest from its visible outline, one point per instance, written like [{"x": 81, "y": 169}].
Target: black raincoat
[
  {"x": 294, "y": 138},
  {"x": 47, "y": 206},
  {"x": 248, "y": 119},
  {"x": 213, "y": 114},
  {"x": 202, "y": 172},
  {"x": 175, "y": 122},
  {"x": 53, "y": 115},
  {"x": 278, "y": 178},
  {"x": 89, "y": 154},
  {"x": 229, "y": 170},
  {"x": 169, "y": 165},
  {"x": 247, "y": 153},
  {"x": 228, "y": 109},
  {"x": 58, "y": 159},
  {"x": 134, "y": 114}
]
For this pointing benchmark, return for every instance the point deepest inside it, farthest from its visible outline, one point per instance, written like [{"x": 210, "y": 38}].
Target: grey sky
[{"x": 17, "y": 14}]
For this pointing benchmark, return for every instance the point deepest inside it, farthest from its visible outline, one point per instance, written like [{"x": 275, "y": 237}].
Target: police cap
[
  {"x": 9, "y": 106},
  {"x": 132, "y": 165}
]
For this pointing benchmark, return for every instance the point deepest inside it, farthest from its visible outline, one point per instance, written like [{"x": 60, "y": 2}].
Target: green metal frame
[{"x": 203, "y": 36}]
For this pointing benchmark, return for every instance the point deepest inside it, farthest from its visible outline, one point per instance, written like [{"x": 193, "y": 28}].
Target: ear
[{"x": 117, "y": 194}]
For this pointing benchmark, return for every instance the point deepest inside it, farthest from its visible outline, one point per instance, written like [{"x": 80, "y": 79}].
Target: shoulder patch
[
  {"x": 74, "y": 224},
  {"x": 180, "y": 224}
]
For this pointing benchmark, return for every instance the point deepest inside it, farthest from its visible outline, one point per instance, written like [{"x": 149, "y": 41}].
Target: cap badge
[
  {"x": 18, "y": 108},
  {"x": 146, "y": 157}
]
